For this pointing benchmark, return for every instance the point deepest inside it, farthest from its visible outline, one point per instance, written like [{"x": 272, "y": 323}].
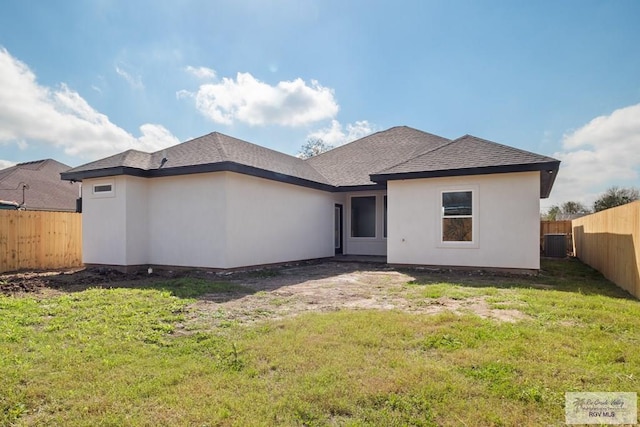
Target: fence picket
[
  {"x": 609, "y": 241},
  {"x": 39, "y": 240}
]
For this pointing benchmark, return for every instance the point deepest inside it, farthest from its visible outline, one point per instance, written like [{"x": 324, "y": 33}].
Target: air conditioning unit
[{"x": 555, "y": 245}]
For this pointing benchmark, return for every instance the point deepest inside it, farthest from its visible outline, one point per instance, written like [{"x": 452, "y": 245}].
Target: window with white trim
[
  {"x": 457, "y": 216},
  {"x": 103, "y": 188}
]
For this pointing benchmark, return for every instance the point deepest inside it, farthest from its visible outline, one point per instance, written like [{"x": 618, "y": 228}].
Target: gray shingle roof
[
  {"x": 352, "y": 164},
  {"x": 397, "y": 153},
  {"x": 465, "y": 153},
  {"x": 470, "y": 155},
  {"x": 130, "y": 158},
  {"x": 214, "y": 148},
  {"x": 45, "y": 189}
]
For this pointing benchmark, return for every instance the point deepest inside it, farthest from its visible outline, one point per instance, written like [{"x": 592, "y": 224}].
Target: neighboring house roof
[
  {"x": 397, "y": 153},
  {"x": 43, "y": 188},
  {"x": 569, "y": 217}
]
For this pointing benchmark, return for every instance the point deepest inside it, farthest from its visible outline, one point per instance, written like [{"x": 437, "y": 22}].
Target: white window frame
[
  {"x": 475, "y": 232},
  {"x": 385, "y": 216},
  {"x": 103, "y": 194}
]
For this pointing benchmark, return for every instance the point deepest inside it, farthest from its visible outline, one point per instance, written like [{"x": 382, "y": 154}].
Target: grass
[
  {"x": 189, "y": 287},
  {"x": 111, "y": 357}
]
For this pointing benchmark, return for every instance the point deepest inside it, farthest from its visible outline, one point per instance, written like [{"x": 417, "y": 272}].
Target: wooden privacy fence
[
  {"x": 609, "y": 241},
  {"x": 39, "y": 240},
  {"x": 556, "y": 227}
]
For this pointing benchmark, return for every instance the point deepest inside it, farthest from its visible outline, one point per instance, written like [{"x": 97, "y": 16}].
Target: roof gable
[{"x": 352, "y": 164}]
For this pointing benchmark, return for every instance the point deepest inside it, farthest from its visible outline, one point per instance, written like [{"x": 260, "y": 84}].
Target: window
[
  {"x": 105, "y": 188},
  {"x": 457, "y": 216},
  {"x": 363, "y": 216}
]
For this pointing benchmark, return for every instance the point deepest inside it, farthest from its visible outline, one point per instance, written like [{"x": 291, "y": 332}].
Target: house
[
  {"x": 219, "y": 202},
  {"x": 36, "y": 185}
]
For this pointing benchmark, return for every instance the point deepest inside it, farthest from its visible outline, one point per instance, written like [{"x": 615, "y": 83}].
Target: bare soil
[{"x": 282, "y": 292}]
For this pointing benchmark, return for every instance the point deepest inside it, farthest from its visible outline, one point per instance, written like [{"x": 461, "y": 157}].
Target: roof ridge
[
  {"x": 219, "y": 146},
  {"x": 503, "y": 145},
  {"x": 317, "y": 171},
  {"x": 31, "y": 162},
  {"x": 224, "y": 152},
  {"x": 124, "y": 155},
  {"x": 449, "y": 142},
  {"x": 376, "y": 133},
  {"x": 262, "y": 147},
  {"x": 350, "y": 142}
]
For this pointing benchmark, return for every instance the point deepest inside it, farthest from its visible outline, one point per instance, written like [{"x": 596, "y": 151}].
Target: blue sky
[{"x": 80, "y": 80}]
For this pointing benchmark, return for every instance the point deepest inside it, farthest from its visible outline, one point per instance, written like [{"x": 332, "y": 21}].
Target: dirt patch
[
  {"x": 283, "y": 292},
  {"x": 73, "y": 280},
  {"x": 337, "y": 286}
]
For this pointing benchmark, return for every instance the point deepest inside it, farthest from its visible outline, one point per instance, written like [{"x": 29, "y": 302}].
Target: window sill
[{"x": 458, "y": 245}]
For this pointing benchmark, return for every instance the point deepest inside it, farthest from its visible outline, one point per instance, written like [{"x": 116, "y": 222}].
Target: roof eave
[
  {"x": 78, "y": 176},
  {"x": 225, "y": 166},
  {"x": 548, "y": 170},
  {"x": 363, "y": 187}
]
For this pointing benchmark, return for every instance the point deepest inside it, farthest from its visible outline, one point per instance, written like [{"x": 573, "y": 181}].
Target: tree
[
  {"x": 552, "y": 213},
  {"x": 616, "y": 196},
  {"x": 571, "y": 208},
  {"x": 313, "y": 147},
  {"x": 567, "y": 208}
]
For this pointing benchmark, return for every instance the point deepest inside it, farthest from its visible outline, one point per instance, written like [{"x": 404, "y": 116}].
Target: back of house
[{"x": 219, "y": 202}]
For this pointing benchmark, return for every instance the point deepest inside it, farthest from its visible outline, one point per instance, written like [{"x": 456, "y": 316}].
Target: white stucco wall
[
  {"x": 227, "y": 220},
  {"x": 115, "y": 224},
  {"x": 187, "y": 220},
  {"x": 270, "y": 222},
  {"x": 507, "y": 223},
  {"x": 104, "y": 222},
  {"x": 212, "y": 220},
  {"x": 137, "y": 232}
]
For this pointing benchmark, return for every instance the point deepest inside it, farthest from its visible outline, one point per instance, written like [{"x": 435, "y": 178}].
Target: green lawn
[{"x": 111, "y": 357}]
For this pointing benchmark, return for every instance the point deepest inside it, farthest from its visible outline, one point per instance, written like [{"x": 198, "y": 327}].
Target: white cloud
[
  {"x": 600, "y": 154},
  {"x": 134, "y": 81},
  {"x": 62, "y": 118},
  {"x": 250, "y": 101},
  {"x": 201, "y": 72},
  {"x": 6, "y": 164},
  {"x": 155, "y": 137},
  {"x": 336, "y": 135}
]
